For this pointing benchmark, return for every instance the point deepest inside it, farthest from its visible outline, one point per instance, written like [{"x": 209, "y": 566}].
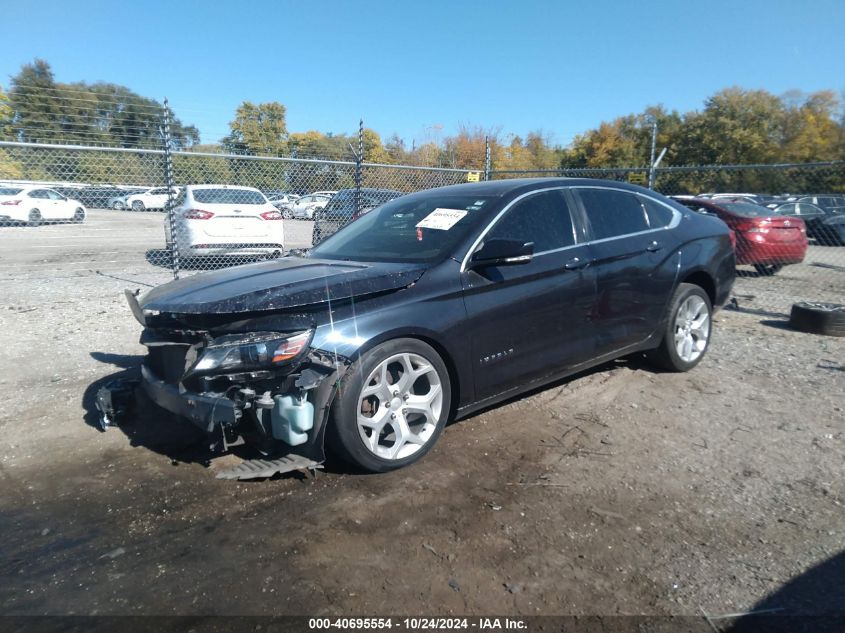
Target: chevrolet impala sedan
[{"x": 430, "y": 307}]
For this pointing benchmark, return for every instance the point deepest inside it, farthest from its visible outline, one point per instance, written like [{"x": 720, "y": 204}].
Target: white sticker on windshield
[{"x": 441, "y": 219}]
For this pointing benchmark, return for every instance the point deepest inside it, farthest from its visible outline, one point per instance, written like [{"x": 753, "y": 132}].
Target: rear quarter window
[{"x": 658, "y": 214}]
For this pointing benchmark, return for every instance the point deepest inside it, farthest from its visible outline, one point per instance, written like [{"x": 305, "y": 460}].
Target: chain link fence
[
  {"x": 141, "y": 209},
  {"x": 134, "y": 215}
]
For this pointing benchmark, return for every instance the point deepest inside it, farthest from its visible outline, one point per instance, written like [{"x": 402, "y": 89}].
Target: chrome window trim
[
  {"x": 504, "y": 210},
  {"x": 676, "y": 220}
]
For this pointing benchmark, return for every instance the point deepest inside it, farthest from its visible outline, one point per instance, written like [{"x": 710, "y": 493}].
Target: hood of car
[{"x": 291, "y": 282}]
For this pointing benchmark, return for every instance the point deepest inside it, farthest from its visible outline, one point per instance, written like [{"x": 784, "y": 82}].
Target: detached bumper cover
[{"x": 206, "y": 412}]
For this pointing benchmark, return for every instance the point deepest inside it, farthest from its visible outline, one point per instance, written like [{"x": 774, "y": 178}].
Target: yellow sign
[
  {"x": 473, "y": 176},
  {"x": 637, "y": 178}
]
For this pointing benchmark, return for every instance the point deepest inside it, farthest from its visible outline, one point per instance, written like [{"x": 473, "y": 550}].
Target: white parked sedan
[
  {"x": 35, "y": 205},
  {"x": 155, "y": 198},
  {"x": 225, "y": 220},
  {"x": 305, "y": 207}
]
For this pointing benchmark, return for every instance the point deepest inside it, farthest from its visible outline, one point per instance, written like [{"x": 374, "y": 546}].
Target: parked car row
[{"x": 771, "y": 232}]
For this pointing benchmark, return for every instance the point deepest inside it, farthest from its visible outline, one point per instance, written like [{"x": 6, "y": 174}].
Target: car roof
[
  {"x": 520, "y": 185},
  {"x": 195, "y": 187}
]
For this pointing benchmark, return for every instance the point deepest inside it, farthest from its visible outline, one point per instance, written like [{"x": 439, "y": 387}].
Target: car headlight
[{"x": 244, "y": 352}]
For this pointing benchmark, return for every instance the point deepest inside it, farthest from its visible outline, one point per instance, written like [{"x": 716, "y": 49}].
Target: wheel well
[
  {"x": 454, "y": 381},
  {"x": 704, "y": 281}
]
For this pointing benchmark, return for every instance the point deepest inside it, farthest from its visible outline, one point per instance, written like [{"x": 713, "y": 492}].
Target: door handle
[
  {"x": 576, "y": 263},
  {"x": 654, "y": 247}
]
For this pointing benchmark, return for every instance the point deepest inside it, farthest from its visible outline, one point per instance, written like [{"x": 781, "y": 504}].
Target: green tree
[
  {"x": 37, "y": 103},
  {"x": 736, "y": 126},
  {"x": 9, "y": 168},
  {"x": 258, "y": 129},
  {"x": 90, "y": 114}
]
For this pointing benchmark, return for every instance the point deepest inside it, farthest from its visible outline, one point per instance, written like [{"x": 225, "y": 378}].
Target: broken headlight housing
[{"x": 255, "y": 351}]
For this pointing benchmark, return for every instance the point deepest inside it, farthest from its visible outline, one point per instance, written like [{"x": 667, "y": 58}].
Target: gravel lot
[{"x": 621, "y": 491}]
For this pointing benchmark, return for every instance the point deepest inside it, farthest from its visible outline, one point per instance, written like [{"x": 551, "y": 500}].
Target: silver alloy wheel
[
  {"x": 399, "y": 406},
  {"x": 692, "y": 328}
]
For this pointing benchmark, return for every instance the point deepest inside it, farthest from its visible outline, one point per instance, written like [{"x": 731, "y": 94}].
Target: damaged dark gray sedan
[{"x": 430, "y": 307}]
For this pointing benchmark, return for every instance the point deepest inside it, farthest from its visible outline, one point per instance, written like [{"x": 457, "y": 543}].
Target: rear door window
[
  {"x": 613, "y": 213},
  {"x": 543, "y": 218}
]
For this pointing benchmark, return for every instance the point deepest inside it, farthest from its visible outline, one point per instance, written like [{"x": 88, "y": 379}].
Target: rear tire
[
  {"x": 687, "y": 332},
  {"x": 35, "y": 218},
  {"x": 391, "y": 406},
  {"x": 137, "y": 205},
  {"x": 767, "y": 270}
]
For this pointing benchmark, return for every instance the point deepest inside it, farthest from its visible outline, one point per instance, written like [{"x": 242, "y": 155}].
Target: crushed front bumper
[{"x": 206, "y": 412}]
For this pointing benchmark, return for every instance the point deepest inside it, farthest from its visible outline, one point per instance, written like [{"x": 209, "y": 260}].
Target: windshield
[
  {"x": 228, "y": 196},
  {"x": 416, "y": 228},
  {"x": 746, "y": 210},
  {"x": 9, "y": 192}
]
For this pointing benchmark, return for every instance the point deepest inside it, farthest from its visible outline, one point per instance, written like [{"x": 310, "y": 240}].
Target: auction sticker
[{"x": 441, "y": 219}]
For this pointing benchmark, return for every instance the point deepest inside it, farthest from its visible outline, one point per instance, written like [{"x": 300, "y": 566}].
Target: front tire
[
  {"x": 78, "y": 216},
  {"x": 137, "y": 205},
  {"x": 686, "y": 336},
  {"x": 391, "y": 406},
  {"x": 34, "y": 218}
]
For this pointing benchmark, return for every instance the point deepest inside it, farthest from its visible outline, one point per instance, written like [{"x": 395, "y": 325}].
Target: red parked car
[{"x": 763, "y": 239}]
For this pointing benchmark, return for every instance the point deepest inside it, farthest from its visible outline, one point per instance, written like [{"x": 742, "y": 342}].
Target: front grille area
[{"x": 168, "y": 362}]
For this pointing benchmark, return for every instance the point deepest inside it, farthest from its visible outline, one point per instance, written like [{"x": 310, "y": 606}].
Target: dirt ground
[{"x": 621, "y": 491}]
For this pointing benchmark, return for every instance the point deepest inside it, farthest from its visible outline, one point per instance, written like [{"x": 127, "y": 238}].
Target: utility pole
[{"x": 651, "y": 165}]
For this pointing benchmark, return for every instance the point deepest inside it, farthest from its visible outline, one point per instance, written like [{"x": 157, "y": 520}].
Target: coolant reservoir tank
[{"x": 291, "y": 419}]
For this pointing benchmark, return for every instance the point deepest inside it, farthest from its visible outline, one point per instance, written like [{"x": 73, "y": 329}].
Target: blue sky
[{"x": 421, "y": 69}]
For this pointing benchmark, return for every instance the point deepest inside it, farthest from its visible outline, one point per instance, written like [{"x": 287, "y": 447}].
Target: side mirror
[{"x": 502, "y": 252}]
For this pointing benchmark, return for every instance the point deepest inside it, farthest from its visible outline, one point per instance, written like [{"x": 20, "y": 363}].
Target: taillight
[
  {"x": 759, "y": 226},
  {"x": 11, "y": 202},
  {"x": 271, "y": 215},
  {"x": 732, "y": 235},
  {"x": 197, "y": 214}
]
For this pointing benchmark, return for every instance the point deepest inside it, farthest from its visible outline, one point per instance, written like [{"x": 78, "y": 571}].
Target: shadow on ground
[{"x": 813, "y": 602}]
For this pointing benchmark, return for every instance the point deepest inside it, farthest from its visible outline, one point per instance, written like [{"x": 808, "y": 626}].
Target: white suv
[
  {"x": 155, "y": 198},
  {"x": 225, "y": 220}
]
